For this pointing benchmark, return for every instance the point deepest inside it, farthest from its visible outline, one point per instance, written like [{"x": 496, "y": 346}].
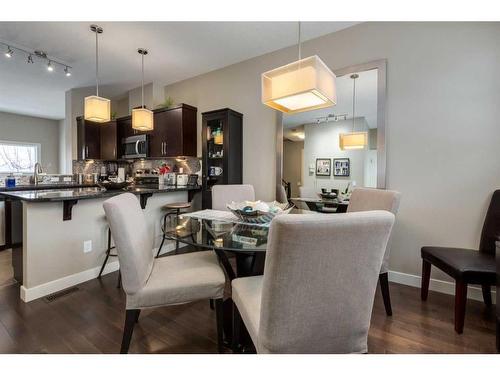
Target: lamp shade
[
  {"x": 303, "y": 85},
  {"x": 97, "y": 109},
  {"x": 353, "y": 141},
  {"x": 142, "y": 119}
]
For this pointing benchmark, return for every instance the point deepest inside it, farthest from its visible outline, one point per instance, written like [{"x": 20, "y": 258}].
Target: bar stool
[
  {"x": 109, "y": 254},
  {"x": 174, "y": 209}
]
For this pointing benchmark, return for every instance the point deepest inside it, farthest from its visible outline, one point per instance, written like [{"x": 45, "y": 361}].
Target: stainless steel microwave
[{"x": 136, "y": 147}]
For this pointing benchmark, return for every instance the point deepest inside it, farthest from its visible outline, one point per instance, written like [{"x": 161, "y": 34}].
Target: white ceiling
[
  {"x": 177, "y": 51},
  {"x": 366, "y": 101}
]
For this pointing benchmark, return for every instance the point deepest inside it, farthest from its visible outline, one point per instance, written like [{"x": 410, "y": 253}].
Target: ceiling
[
  {"x": 366, "y": 101},
  {"x": 177, "y": 51}
]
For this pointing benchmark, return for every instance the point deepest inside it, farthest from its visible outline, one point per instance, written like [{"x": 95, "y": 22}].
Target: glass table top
[{"x": 213, "y": 234}]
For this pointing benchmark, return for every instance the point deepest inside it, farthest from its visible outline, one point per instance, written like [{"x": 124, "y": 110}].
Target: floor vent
[{"x": 62, "y": 293}]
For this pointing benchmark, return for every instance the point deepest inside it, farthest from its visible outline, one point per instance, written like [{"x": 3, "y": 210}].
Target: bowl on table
[
  {"x": 259, "y": 212},
  {"x": 113, "y": 185}
]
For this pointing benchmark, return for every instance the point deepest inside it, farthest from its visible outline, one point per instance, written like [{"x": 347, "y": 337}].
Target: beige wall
[
  {"x": 442, "y": 122},
  {"x": 20, "y": 128}
]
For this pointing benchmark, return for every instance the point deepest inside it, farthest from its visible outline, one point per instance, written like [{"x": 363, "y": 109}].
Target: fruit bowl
[{"x": 259, "y": 212}]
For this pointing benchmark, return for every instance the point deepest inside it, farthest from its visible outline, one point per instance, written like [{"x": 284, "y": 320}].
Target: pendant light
[
  {"x": 142, "y": 118},
  {"x": 303, "y": 85},
  {"x": 97, "y": 109},
  {"x": 353, "y": 140}
]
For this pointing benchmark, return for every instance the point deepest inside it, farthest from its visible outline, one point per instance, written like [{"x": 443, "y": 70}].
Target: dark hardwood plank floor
[{"x": 90, "y": 320}]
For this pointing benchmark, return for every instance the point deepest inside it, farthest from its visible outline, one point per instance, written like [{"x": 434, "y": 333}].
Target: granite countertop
[
  {"x": 45, "y": 186},
  {"x": 58, "y": 194}
]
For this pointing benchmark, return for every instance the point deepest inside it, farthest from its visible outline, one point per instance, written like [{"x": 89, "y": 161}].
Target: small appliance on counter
[
  {"x": 193, "y": 180},
  {"x": 170, "y": 179},
  {"x": 147, "y": 179},
  {"x": 182, "y": 179}
]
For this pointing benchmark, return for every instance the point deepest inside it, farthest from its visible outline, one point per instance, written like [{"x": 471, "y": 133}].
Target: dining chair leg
[
  {"x": 426, "y": 277},
  {"x": 137, "y": 317},
  {"x": 211, "y": 304},
  {"x": 119, "y": 284},
  {"x": 236, "y": 329},
  {"x": 220, "y": 324},
  {"x": 460, "y": 303},
  {"x": 130, "y": 319},
  {"x": 384, "y": 286},
  {"x": 486, "y": 294}
]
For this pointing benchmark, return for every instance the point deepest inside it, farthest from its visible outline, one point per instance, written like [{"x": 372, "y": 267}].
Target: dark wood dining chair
[{"x": 466, "y": 266}]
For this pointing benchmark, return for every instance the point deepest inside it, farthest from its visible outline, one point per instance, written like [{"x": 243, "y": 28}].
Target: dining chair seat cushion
[
  {"x": 470, "y": 266},
  {"x": 180, "y": 279},
  {"x": 247, "y": 295}
]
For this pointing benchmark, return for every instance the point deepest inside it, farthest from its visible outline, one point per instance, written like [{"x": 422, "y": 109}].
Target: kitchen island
[{"x": 59, "y": 236}]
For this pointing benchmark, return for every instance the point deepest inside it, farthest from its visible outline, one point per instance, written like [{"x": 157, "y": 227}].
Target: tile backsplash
[{"x": 187, "y": 165}]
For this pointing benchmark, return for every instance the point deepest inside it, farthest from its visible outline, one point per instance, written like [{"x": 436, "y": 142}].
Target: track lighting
[
  {"x": 9, "y": 52},
  {"x": 32, "y": 55}
]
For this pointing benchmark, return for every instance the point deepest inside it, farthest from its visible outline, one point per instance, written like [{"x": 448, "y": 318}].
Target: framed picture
[
  {"x": 341, "y": 167},
  {"x": 323, "y": 167}
]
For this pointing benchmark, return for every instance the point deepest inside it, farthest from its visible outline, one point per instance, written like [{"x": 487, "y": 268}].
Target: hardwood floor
[{"x": 90, "y": 320}]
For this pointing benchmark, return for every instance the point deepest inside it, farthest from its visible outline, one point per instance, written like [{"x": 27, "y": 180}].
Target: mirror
[{"x": 310, "y": 146}]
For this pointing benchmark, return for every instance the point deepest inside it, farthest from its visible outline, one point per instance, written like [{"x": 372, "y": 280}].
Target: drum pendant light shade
[
  {"x": 353, "y": 141},
  {"x": 303, "y": 85},
  {"x": 97, "y": 109},
  {"x": 142, "y": 119}
]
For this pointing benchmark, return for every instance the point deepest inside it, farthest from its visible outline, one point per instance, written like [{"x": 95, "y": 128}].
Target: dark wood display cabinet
[
  {"x": 222, "y": 148},
  {"x": 97, "y": 140}
]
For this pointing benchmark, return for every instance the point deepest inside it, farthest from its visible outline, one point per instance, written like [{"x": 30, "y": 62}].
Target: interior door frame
[{"x": 381, "y": 65}]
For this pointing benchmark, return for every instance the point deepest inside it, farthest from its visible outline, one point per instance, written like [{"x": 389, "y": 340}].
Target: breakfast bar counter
[{"x": 59, "y": 236}]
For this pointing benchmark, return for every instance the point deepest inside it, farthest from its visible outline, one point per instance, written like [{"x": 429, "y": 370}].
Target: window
[{"x": 18, "y": 157}]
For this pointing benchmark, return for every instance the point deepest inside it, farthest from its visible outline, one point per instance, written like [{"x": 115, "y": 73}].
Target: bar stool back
[{"x": 173, "y": 210}]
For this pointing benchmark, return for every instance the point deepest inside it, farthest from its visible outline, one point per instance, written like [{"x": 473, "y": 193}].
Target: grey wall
[
  {"x": 442, "y": 122},
  {"x": 293, "y": 167},
  {"x": 22, "y": 128}
]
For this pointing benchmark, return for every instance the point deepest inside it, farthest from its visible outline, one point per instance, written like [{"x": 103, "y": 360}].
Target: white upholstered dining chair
[
  {"x": 318, "y": 287},
  {"x": 224, "y": 194},
  {"x": 369, "y": 199},
  {"x": 149, "y": 282}
]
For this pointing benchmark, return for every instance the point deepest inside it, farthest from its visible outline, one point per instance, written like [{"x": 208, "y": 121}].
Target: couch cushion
[
  {"x": 179, "y": 279},
  {"x": 247, "y": 292}
]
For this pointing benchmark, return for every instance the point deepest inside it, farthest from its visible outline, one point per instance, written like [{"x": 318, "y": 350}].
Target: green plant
[
  {"x": 169, "y": 102},
  {"x": 113, "y": 115}
]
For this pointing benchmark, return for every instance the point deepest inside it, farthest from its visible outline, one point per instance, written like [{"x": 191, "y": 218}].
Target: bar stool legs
[
  {"x": 108, "y": 254},
  {"x": 175, "y": 212}
]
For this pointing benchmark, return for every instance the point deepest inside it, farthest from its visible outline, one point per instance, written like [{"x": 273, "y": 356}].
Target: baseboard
[
  {"x": 42, "y": 290},
  {"x": 441, "y": 286}
]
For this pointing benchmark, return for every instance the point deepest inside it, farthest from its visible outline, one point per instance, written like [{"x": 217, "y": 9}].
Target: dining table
[
  {"x": 323, "y": 205},
  {"x": 240, "y": 246}
]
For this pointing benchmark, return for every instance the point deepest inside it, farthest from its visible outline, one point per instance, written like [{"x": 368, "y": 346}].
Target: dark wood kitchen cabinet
[
  {"x": 97, "y": 140},
  {"x": 174, "y": 132}
]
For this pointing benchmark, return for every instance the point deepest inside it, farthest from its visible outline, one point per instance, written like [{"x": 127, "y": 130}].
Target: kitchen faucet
[{"x": 38, "y": 170}]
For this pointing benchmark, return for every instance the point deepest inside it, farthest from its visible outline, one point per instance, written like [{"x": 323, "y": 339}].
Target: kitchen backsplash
[{"x": 188, "y": 165}]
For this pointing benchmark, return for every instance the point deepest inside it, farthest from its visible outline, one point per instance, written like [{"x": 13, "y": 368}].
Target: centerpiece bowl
[{"x": 259, "y": 212}]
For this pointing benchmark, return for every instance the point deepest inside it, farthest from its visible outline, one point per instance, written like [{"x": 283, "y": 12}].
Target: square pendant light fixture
[
  {"x": 353, "y": 140},
  {"x": 303, "y": 85},
  {"x": 97, "y": 109},
  {"x": 142, "y": 118}
]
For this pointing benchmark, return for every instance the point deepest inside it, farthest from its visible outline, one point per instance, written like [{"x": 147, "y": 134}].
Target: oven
[{"x": 136, "y": 146}]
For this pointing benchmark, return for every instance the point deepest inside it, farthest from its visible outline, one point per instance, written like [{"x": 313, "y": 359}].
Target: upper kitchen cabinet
[
  {"x": 175, "y": 132},
  {"x": 89, "y": 139},
  {"x": 97, "y": 140}
]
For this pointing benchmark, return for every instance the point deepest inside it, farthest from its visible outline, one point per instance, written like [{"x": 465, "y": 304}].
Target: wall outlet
[{"x": 87, "y": 246}]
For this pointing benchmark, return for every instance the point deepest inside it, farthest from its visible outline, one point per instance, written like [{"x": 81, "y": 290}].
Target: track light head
[
  {"x": 50, "y": 68},
  {"x": 30, "y": 59},
  {"x": 9, "y": 52},
  {"x": 67, "y": 72}
]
